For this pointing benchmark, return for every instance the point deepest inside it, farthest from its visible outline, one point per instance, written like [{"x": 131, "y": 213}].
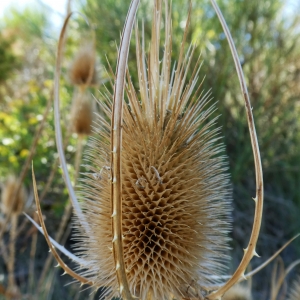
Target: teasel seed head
[
  {"x": 295, "y": 290},
  {"x": 83, "y": 71},
  {"x": 81, "y": 114},
  {"x": 175, "y": 195},
  {"x": 238, "y": 292},
  {"x": 8, "y": 203}
]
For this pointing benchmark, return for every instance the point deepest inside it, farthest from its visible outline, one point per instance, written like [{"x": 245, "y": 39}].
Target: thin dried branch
[
  {"x": 12, "y": 253},
  {"x": 116, "y": 146},
  {"x": 55, "y": 244},
  {"x": 278, "y": 268},
  {"x": 256, "y": 270},
  {"x": 253, "y": 272},
  {"x": 58, "y": 133},
  {"x": 51, "y": 242},
  {"x": 33, "y": 249},
  {"x": 64, "y": 221},
  {"x": 249, "y": 252},
  {"x": 282, "y": 278}
]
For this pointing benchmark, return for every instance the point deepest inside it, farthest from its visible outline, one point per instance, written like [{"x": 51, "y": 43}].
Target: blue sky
[{"x": 57, "y": 7}]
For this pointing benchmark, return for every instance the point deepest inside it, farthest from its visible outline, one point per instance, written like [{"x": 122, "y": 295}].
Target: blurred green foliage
[
  {"x": 8, "y": 60},
  {"x": 267, "y": 38}
]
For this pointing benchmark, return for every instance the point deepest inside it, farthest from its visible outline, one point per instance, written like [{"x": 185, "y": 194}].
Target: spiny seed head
[
  {"x": 175, "y": 195},
  {"x": 81, "y": 114},
  {"x": 238, "y": 292},
  {"x": 295, "y": 290},
  {"x": 8, "y": 203},
  {"x": 83, "y": 71}
]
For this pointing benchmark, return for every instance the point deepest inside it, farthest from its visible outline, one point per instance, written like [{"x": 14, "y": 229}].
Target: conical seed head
[
  {"x": 175, "y": 195},
  {"x": 8, "y": 203},
  {"x": 295, "y": 290},
  {"x": 238, "y": 292},
  {"x": 82, "y": 71},
  {"x": 81, "y": 115}
]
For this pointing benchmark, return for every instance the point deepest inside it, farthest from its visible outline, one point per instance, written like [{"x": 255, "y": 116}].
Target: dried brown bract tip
[
  {"x": 238, "y": 292},
  {"x": 81, "y": 115},
  {"x": 83, "y": 70},
  {"x": 295, "y": 290},
  {"x": 8, "y": 203}
]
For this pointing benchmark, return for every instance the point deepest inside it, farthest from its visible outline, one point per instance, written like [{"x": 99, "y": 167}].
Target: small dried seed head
[
  {"x": 295, "y": 290},
  {"x": 81, "y": 115},
  {"x": 238, "y": 292},
  {"x": 83, "y": 70},
  {"x": 8, "y": 203}
]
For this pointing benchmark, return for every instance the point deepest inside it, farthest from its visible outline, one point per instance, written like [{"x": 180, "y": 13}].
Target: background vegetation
[{"x": 267, "y": 37}]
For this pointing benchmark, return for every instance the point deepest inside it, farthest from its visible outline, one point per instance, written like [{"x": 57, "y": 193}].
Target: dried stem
[
  {"x": 32, "y": 258},
  {"x": 3, "y": 252},
  {"x": 44, "y": 193},
  {"x": 58, "y": 133},
  {"x": 282, "y": 278},
  {"x": 54, "y": 169},
  {"x": 66, "y": 215},
  {"x": 67, "y": 270},
  {"x": 253, "y": 272},
  {"x": 116, "y": 146},
  {"x": 78, "y": 157},
  {"x": 12, "y": 253},
  {"x": 249, "y": 252},
  {"x": 279, "y": 264}
]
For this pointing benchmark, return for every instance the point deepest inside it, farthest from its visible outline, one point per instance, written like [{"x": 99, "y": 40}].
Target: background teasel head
[
  {"x": 83, "y": 68},
  {"x": 176, "y": 200},
  {"x": 8, "y": 193},
  {"x": 81, "y": 114}
]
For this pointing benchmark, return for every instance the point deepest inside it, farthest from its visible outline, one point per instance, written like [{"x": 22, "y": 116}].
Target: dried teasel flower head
[
  {"x": 238, "y": 292},
  {"x": 83, "y": 71},
  {"x": 8, "y": 203},
  {"x": 81, "y": 114},
  {"x": 156, "y": 209},
  {"x": 175, "y": 196},
  {"x": 295, "y": 290}
]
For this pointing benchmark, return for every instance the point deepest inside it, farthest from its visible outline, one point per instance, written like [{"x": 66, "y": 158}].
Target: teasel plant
[{"x": 155, "y": 205}]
